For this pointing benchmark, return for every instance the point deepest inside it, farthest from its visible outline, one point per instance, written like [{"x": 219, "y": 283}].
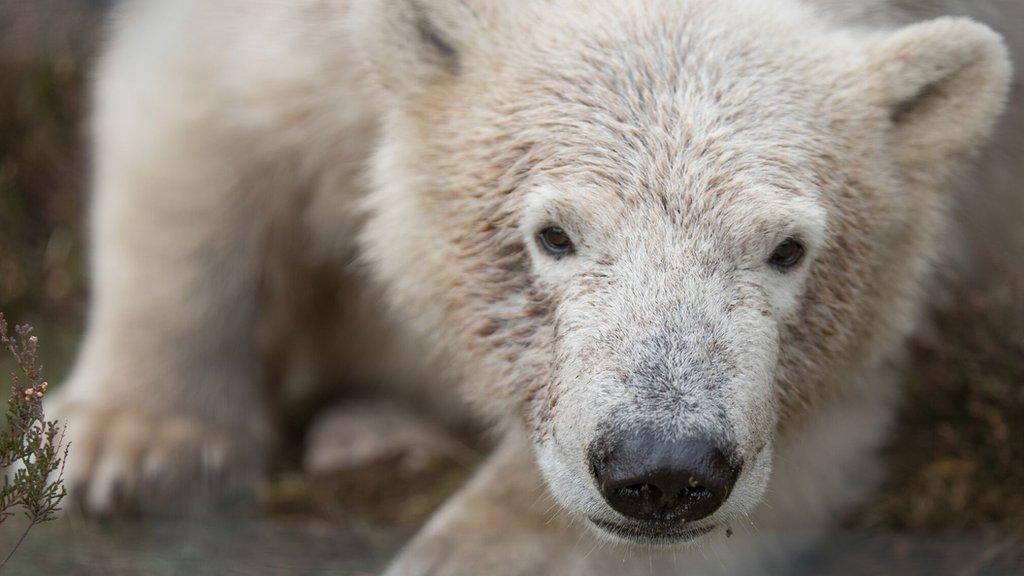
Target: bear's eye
[
  {"x": 555, "y": 241},
  {"x": 787, "y": 254}
]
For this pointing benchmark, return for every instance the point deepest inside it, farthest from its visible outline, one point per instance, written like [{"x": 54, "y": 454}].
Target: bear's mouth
[{"x": 649, "y": 533}]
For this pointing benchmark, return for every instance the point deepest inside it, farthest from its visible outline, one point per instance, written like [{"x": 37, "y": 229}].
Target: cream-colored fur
[{"x": 249, "y": 150}]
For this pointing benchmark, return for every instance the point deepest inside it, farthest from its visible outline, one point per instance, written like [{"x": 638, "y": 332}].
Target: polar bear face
[{"x": 654, "y": 233}]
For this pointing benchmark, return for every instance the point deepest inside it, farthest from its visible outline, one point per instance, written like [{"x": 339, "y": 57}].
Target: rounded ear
[
  {"x": 414, "y": 45},
  {"x": 944, "y": 83}
]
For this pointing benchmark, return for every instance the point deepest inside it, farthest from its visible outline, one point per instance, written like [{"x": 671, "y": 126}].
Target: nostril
[
  {"x": 697, "y": 496},
  {"x": 694, "y": 489},
  {"x": 637, "y": 489},
  {"x": 641, "y": 491}
]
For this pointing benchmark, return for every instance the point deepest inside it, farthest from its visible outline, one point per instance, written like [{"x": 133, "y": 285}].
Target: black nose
[{"x": 656, "y": 478}]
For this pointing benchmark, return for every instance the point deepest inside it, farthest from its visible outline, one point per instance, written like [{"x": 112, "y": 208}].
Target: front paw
[
  {"x": 503, "y": 523},
  {"x": 121, "y": 458}
]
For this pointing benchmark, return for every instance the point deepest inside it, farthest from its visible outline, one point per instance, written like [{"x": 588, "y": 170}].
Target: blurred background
[{"x": 953, "y": 502}]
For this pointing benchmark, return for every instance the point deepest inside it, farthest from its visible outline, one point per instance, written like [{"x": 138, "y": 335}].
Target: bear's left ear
[
  {"x": 414, "y": 46},
  {"x": 944, "y": 82}
]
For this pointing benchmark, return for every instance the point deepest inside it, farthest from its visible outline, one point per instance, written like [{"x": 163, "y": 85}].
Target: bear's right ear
[{"x": 414, "y": 45}]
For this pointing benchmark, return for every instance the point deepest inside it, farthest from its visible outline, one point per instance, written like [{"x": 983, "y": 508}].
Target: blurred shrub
[{"x": 40, "y": 181}]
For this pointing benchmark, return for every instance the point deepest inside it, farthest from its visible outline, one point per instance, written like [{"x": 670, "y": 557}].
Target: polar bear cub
[{"x": 673, "y": 246}]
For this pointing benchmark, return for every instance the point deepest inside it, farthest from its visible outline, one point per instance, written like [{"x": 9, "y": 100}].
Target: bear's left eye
[
  {"x": 555, "y": 241},
  {"x": 787, "y": 254}
]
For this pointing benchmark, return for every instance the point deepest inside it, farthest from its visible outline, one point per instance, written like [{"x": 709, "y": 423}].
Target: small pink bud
[
  {"x": 33, "y": 340},
  {"x": 29, "y": 391},
  {"x": 44, "y": 386},
  {"x": 39, "y": 394}
]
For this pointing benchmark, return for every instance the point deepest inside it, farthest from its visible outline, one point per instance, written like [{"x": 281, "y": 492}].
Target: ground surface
[
  {"x": 953, "y": 503},
  {"x": 293, "y": 547}
]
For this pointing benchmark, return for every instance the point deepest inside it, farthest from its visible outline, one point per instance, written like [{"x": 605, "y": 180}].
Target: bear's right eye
[{"x": 555, "y": 241}]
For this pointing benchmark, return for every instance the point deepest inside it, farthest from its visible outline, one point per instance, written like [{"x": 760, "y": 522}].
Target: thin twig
[{"x": 32, "y": 449}]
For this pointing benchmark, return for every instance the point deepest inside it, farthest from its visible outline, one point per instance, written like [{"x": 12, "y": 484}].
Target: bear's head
[{"x": 655, "y": 233}]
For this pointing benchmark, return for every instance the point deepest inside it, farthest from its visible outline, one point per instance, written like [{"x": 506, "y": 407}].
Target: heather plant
[{"x": 32, "y": 449}]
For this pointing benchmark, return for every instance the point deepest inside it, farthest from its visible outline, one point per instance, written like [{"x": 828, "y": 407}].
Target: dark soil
[{"x": 956, "y": 459}]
